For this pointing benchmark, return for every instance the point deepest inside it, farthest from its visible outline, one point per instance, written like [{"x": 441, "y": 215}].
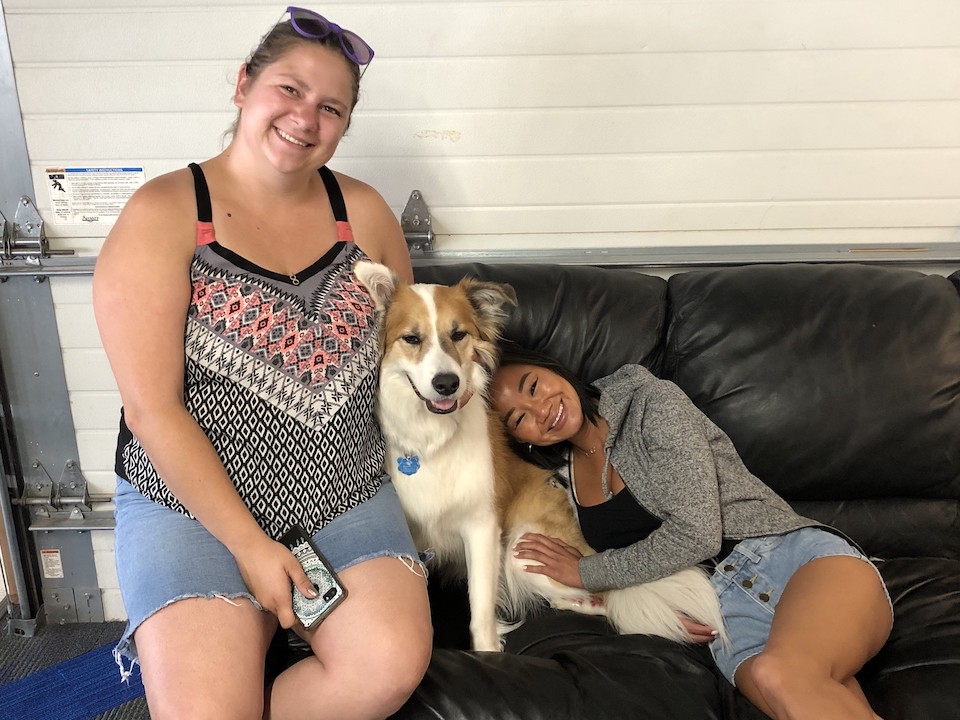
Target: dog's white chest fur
[
  {"x": 437, "y": 341},
  {"x": 452, "y": 485}
]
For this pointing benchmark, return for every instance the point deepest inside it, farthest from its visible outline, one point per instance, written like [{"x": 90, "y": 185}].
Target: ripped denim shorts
[
  {"x": 749, "y": 582},
  {"x": 164, "y": 556}
]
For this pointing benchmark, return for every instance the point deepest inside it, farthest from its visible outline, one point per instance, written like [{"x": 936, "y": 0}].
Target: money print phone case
[{"x": 330, "y": 592}]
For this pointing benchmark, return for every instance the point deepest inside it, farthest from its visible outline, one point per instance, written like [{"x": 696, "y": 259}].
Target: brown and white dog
[{"x": 466, "y": 495}]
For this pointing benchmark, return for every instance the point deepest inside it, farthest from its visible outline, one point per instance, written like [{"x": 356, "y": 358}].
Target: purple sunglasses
[{"x": 311, "y": 25}]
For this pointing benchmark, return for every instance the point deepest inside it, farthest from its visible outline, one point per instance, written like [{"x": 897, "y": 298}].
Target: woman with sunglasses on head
[
  {"x": 658, "y": 487},
  {"x": 246, "y": 357}
]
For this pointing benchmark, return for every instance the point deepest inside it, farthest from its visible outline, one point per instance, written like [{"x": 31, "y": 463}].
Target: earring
[{"x": 529, "y": 447}]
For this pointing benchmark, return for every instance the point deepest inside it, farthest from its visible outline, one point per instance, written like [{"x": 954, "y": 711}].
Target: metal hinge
[
  {"x": 63, "y": 504},
  {"x": 24, "y": 238},
  {"x": 417, "y": 224}
]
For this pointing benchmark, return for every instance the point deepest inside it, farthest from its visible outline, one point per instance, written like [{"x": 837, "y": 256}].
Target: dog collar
[{"x": 408, "y": 464}]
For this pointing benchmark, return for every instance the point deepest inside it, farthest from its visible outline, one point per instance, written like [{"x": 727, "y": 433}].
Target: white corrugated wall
[{"x": 526, "y": 124}]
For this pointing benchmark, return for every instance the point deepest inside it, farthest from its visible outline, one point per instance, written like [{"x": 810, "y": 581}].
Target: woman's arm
[
  {"x": 666, "y": 436},
  {"x": 666, "y": 431},
  {"x": 375, "y": 228},
  {"x": 141, "y": 296}
]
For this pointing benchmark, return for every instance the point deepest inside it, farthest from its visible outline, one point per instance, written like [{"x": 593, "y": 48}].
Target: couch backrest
[
  {"x": 839, "y": 384},
  {"x": 590, "y": 319},
  {"x": 833, "y": 381},
  {"x": 840, "y": 387}
]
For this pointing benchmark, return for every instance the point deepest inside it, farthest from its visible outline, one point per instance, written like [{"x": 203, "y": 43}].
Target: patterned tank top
[{"x": 281, "y": 375}]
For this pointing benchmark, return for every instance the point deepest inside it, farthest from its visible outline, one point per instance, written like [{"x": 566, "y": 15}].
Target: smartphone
[{"x": 330, "y": 591}]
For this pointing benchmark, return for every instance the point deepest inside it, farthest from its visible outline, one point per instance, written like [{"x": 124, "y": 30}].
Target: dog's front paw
[
  {"x": 486, "y": 641},
  {"x": 487, "y": 646}
]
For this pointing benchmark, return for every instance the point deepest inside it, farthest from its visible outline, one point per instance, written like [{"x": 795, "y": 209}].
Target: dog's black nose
[{"x": 446, "y": 383}]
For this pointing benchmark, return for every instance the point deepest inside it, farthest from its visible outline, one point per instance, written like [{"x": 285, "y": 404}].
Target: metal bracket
[
  {"x": 26, "y": 627},
  {"x": 72, "y": 488},
  {"x": 69, "y": 605},
  {"x": 24, "y": 238},
  {"x": 417, "y": 224},
  {"x": 49, "y": 498},
  {"x": 37, "y": 489},
  {"x": 64, "y": 504},
  {"x": 61, "y": 520}
]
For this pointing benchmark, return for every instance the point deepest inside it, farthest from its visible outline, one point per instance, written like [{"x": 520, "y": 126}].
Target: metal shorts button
[
  {"x": 747, "y": 584},
  {"x": 727, "y": 568},
  {"x": 764, "y": 597}
]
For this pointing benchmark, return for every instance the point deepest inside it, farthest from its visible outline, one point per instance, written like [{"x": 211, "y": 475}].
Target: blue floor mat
[{"x": 77, "y": 689}]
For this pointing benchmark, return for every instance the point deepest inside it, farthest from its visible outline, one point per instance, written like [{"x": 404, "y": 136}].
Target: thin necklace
[
  {"x": 604, "y": 483},
  {"x": 591, "y": 451}
]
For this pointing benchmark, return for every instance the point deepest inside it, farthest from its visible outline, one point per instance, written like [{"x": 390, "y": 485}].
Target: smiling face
[
  {"x": 430, "y": 334},
  {"x": 436, "y": 340},
  {"x": 297, "y": 108},
  {"x": 537, "y": 405}
]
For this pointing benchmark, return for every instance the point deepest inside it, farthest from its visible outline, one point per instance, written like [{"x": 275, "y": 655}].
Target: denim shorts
[
  {"x": 751, "y": 578},
  {"x": 163, "y": 556}
]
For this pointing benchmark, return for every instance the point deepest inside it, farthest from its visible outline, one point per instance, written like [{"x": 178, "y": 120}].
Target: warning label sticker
[
  {"x": 91, "y": 195},
  {"x": 52, "y": 564}
]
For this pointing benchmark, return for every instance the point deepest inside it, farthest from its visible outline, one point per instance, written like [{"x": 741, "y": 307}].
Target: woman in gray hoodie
[{"x": 658, "y": 487}]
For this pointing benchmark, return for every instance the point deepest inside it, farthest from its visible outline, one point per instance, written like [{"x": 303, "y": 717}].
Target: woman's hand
[
  {"x": 553, "y": 558},
  {"x": 700, "y": 634},
  {"x": 267, "y": 567}
]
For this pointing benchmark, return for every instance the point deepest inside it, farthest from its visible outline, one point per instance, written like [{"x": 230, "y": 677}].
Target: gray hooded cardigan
[{"x": 683, "y": 469}]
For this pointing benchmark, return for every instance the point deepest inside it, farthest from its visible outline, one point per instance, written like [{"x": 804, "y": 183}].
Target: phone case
[{"x": 330, "y": 592}]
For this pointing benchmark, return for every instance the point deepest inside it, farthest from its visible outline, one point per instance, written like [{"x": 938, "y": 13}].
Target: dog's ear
[
  {"x": 380, "y": 281},
  {"x": 489, "y": 300}
]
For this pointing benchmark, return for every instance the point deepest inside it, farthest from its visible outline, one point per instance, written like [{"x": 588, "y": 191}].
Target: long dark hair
[{"x": 554, "y": 456}]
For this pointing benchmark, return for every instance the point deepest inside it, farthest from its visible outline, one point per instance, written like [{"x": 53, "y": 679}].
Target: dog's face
[{"x": 433, "y": 336}]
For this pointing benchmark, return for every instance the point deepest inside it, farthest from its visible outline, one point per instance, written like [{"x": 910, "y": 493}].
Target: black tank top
[
  {"x": 616, "y": 523},
  {"x": 280, "y": 373},
  {"x": 623, "y": 521}
]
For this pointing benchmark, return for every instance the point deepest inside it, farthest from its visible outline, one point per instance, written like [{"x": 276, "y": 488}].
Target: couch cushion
[
  {"x": 916, "y": 675},
  {"x": 893, "y": 527},
  {"x": 563, "y": 665},
  {"x": 577, "y": 670},
  {"x": 834, "y": 381}
]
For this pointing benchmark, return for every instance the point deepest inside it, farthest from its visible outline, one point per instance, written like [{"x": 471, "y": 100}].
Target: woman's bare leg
[
  {"x": 833, "y": 616},
  {"x": 370, "y": 652},
  {"x": 204, "y": 658}
]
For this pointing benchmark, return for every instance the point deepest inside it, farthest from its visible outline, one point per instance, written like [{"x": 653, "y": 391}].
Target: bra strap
[
  {"x": 204, "y": 209},
  {"x": 333, "y": 192}
]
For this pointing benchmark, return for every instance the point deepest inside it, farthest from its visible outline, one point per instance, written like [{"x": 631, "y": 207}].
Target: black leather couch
[{"x": 839, "y": 385}]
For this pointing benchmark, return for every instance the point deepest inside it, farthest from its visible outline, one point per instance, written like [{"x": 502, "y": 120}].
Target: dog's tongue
[{"x": 444, "y": 405}]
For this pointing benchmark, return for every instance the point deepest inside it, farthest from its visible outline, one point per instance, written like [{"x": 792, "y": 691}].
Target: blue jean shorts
[
  {"x": 163, "y": 556},
  {"x": 750, "y": 580}
]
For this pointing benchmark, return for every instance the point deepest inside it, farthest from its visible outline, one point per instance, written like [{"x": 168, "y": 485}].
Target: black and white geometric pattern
[{"x": 301, "y": 446}]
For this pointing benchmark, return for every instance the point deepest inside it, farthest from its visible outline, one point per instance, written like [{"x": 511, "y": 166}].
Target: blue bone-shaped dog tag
[{"x": 408, "y": 465}]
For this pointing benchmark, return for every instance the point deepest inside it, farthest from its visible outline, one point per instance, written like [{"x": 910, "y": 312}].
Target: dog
[{"x": 466, "y": 495}]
